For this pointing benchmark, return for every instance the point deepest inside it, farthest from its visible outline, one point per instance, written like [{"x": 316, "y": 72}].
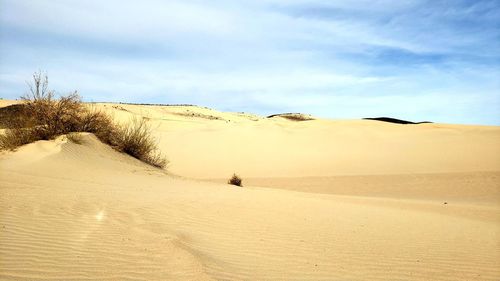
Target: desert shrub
[
  {"x": 156, "y": 159},
  {"x": 135, "y": 139},
  {"x": 75, "y": 137},
  {"x": 48, "y": 116},
  {"x": 235, "y": 180},
  {"x": 16, "y": 122},
  {"x": 15, "y": 137},
  {"x": 100, "y": 124},
  {"x": 43, "y": 117}
]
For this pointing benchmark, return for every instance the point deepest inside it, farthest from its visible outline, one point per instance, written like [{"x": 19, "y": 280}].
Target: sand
[{"x": 322, "y": 200}]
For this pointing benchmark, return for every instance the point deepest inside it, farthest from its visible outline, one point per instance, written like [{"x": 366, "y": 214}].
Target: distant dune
[{"x": 322, "y": 200}]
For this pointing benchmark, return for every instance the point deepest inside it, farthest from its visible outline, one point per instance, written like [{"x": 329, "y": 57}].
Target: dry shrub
[
  {"x": 43, "y": 117},
  {"x": 235, "y": 180},
  {"x": 15, "y": 137},
  {"x": 136, "y": 140},
  {"x": 100, "y": 124},
  {"x": 75, "y": 137},
  {"x": 47, "y": 116}
]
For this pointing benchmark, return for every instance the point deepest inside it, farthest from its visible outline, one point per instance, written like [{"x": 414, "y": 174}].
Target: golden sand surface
[{"x": 322, "y": 200}]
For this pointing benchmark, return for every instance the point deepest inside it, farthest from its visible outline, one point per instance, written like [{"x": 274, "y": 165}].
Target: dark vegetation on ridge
[
  {"x": 42, "y": 116},
  {"x": 11, "y": 115},
  {"x": 394, "y": 120},
  {"x": 151, "y": 104},
  {"x": 292, "y": 116}
]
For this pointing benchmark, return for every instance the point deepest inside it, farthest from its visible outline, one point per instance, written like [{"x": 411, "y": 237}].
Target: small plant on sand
[
  {"x": 48, "y": 116},
  {"x": 75, "y": 137},
  {"x": 41, "y": 116},
  {"x": 235, "y": 180},
  {"x": 136, "y": 140},
  {"x": 15, "y": 137}
]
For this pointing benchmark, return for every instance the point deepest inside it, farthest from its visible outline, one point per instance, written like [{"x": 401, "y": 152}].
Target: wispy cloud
[{"x": 416, "y": 59}]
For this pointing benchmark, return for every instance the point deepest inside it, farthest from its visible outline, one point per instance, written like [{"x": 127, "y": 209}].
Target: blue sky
[{"x": 411, "y": 59}]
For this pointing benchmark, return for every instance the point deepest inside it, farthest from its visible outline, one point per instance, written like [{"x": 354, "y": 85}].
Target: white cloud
[{"x": 384, "y": 56}]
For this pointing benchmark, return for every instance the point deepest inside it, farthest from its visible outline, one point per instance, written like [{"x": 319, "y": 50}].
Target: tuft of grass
[
  {"x": 100, "y": 124},
  {"x": 15, "y": 137},
  {"x": 44, "y": 117},
  {"x": 47, "y": 116},
  {"x": 41, "y": 116},
  {"x": 136, "y": 139},
  {"x": 235, "y": 180},
  {"x": 75, "y": 137}
]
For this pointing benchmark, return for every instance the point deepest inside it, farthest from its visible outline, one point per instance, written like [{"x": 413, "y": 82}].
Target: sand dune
[
  {"x": 278, "y": 147},
  {"x": 350, "y": 200}
]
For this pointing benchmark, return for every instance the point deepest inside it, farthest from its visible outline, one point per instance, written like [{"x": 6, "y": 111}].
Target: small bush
[
  {"x": 41, "y": 116},
  {"x": 235, "y": 180},
  {"x": 75, "y": 137},
  {"x": 47, "y": 116},
  {"x": 15, "y": 137},
  {"x": 136, "y": 140},
  {"x": 100, "y": 124}
]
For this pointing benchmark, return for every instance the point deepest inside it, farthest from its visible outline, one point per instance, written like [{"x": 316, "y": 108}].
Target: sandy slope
[
  {"x": 276, "y": 147},
  {"x": 80, "y": 212}
]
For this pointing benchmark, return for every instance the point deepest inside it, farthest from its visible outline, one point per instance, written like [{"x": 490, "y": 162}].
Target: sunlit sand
[{"x": 321, "y": 200}]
